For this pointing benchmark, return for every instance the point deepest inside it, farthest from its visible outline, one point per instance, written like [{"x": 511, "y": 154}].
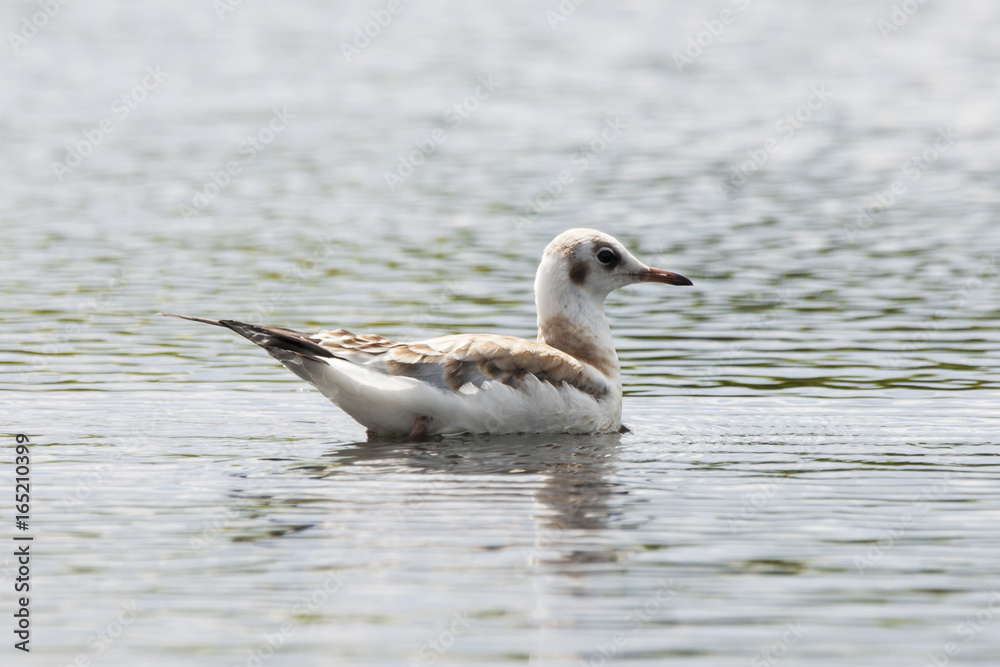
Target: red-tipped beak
[{"x": 661, "y": 276}]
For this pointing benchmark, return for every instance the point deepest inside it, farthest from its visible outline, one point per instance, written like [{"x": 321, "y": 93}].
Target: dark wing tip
[
  {"x": 193, "y": 319},
  {"x": 279, "y": 339}
]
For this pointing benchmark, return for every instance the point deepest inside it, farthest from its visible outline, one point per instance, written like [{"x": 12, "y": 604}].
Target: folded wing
[{"x": 463, "y": 363}]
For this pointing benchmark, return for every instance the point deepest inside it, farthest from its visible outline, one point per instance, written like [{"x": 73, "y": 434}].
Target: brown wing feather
[{"x": 451, "y": 362}]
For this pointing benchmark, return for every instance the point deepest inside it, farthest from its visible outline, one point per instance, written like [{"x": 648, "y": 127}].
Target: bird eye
[{"x": 607, "y": 256}]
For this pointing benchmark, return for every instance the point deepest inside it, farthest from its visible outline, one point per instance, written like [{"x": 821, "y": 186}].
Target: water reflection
[
  {"x": 568, "y": 480},
  {"x": 572, "y": 515},
  {"x": 572, "y": 500},
  {"x": 555, "y": 497}
]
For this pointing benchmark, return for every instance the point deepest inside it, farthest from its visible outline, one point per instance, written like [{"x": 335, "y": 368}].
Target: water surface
[{"x": 811, "y": 474}]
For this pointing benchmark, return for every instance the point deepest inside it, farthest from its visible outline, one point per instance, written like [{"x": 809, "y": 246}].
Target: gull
[{"x": 566, "y": 381}]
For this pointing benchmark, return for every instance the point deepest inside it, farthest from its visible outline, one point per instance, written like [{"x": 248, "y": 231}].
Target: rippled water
[{"x": 811, "y": 476}]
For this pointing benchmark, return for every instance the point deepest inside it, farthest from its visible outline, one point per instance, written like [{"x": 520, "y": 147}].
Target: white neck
[{"x": 572, "y": 319}]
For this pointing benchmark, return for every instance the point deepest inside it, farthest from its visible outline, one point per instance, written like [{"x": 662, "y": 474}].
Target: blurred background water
[{"x": 810, "y": 479}]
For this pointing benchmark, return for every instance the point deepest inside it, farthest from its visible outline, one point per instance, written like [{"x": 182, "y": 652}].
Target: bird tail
[{"x": 273, "y": 339}]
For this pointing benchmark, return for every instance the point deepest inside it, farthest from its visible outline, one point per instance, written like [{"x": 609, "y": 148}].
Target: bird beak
[{"x": 661, "y": 276}]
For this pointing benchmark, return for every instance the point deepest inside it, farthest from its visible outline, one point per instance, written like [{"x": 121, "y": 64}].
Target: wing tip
[
  {"x": 203, "y": 320},
  {"x": 275, "y": 338}
]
